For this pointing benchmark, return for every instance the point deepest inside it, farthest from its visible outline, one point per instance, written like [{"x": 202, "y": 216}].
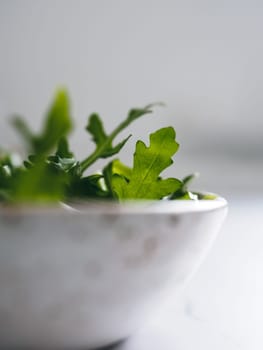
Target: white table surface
[{"x": 222, "y": 306}]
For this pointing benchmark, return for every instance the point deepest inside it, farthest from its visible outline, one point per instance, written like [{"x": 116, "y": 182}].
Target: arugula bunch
[{"x": 51, "y": 172}]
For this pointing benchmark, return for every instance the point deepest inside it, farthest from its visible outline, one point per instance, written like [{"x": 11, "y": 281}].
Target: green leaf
[
  {"x": 149, "y": 162},
  {"x": 63, "y": 164},
  {"x": 183, "y": 192},
  {"x": 23, "y": 129},
  {"x": 5, "y": 195},
  {"x": 95, "y": 128},
  {"x": 206, "y": 196},
  {"x": 45, "y": 176},
  {"x": 115, "y": 167},
  {"x": 63, "y": 150},
  {"x": 88, "y": 187},
  {"x": 57, "y": 125},
  {"x": 107, "y": 177},
  {"x": 104, "y": 147},
  {"x": 40, "y": 183},
  {"x": 10, "y": 167},
  {"x": 121, "y": 169}
]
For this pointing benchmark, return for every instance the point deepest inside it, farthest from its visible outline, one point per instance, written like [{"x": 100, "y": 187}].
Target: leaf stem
[{"x": 98, "y": 151}]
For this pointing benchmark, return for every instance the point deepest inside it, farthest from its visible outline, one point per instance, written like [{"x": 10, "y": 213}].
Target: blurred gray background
[{"x": 202, "y": 58}]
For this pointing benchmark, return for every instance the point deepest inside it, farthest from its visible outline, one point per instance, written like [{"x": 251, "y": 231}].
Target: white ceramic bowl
[{"x": 88, "y": 277}]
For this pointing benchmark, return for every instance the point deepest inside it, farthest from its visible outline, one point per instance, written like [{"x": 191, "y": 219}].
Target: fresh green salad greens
[{"x": 51, "y": 172}]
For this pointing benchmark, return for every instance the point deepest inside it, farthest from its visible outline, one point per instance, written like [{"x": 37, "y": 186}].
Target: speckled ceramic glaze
[{"x": 88, "y": 277}]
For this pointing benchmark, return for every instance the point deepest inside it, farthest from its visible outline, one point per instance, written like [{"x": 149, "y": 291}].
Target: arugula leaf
[
  {"x": 107, "y": 177},
  {"x": 4, "y": 196},
  {"x": 103, "y": 141},
  {"x": 20, "y": 125},
  {"x": 206, "y": 196},
  {"x": 113, "y": 168},
  {"x": 45, "y": 176},
  {"x": 57, "y": 125},
  {"x": 9, "y": 169},
  {"x": 183, "y": 192},
  {"x": 63, "y": 149},
  {"x": 88, "y": 187},
  {"x": 121, "y": 169},
  {"x": 149, "y": 162},
  {"x": 40, "y": 183},
  {"x": 5, "y": 181},
  {"x": 66, "y": 165}
]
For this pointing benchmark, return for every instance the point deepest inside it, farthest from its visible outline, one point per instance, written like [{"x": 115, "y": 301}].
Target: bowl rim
[{"x": 93, "y": 207}]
